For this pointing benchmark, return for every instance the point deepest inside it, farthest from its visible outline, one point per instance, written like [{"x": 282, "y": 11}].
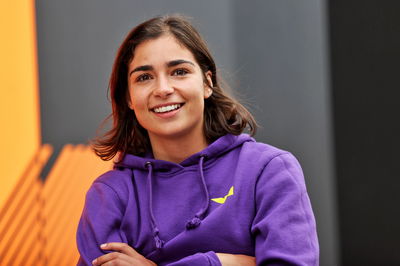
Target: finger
[
  {"x": 118, "y": 263},
  {"x": 120, "y": 247},
  {"x": 114, "y": 256}
]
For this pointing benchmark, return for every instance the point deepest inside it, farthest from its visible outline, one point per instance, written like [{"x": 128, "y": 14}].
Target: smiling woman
[{"x": 188, "y": 187}]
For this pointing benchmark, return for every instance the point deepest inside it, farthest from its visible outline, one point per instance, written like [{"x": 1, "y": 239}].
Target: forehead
[{"x": 159, "y": 51}]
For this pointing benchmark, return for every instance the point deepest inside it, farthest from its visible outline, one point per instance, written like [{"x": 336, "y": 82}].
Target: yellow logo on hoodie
[{"x": 222, "y": 200}]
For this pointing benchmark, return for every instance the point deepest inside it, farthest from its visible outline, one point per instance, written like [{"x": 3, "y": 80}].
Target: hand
[
  {"x": 234, "y": 260},
  {"x": 125, "y": 255}
]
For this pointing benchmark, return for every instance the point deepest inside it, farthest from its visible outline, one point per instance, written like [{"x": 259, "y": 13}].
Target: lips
[{"x": 167, "y": 108}]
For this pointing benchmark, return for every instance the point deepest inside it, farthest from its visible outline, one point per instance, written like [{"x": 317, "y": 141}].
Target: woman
[{"x": 188, "y": 188}]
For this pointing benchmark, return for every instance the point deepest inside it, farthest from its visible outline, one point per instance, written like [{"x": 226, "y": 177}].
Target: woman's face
[{"x": 167, "y": 89}]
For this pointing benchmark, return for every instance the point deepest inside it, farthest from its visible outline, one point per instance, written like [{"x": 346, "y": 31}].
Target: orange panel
[
  {"x": 19, "y": 217},
  {"x": 22, "y": 221},
  {"x": 19, "y": 101},
  {"x": 61, "y": 162},
  {"x": 41, "y": 218},
  {"x": 91, "y": 167},
  {"x": 71, "y": 203},
  {"x": 64, "y": 194},
  {"x": 25, "y": 232},
  {"x": 22, "y": 188}
]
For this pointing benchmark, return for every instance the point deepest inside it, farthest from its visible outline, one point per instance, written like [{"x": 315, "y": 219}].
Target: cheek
[
  {"x": 137, "y": 100},
  {"x": 140, "y": 115},
  {"x": 198, "y": 102},
  {"x": 138, "y": 107}
]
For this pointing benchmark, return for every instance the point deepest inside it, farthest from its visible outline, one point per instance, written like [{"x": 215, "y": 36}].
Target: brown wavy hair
[{"x": 222, "y": 113}]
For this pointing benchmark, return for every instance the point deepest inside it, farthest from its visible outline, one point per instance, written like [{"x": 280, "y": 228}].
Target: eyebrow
[
  {"x": 141, "y": 68},
  {"x": 178, "y": 62},
  {"x": 169, "y": 64}
]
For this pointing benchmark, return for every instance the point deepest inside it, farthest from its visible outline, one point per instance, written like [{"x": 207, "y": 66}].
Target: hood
[{"x": 213, "y": 151}]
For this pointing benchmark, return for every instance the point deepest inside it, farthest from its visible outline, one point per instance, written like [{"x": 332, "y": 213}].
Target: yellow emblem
[{"x": 222, "y": 200}]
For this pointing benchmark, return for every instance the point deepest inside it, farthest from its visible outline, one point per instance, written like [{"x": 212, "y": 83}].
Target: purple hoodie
[{"x": 236, "y": 196}]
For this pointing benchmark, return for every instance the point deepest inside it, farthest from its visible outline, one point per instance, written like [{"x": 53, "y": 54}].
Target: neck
[{"x": 177, "y": 149}]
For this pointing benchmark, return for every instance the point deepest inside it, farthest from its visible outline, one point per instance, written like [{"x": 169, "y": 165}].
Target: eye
[
  {"x": 143, "y": 77},
  {"x": 180, "y": 72}
]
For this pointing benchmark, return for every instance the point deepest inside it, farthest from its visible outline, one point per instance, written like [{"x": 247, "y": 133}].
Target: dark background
[{"x": 365, "y": 56}]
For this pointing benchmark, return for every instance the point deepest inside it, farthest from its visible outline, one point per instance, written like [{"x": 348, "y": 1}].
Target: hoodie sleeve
[
  {"x": 198, "y": 259},
  {"x": 284, "y": 226},
  {"x": 99, "y": 223}
]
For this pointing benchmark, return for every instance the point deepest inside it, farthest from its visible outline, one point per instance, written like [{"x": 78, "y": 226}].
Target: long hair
[{"x": 222, "y": 113}]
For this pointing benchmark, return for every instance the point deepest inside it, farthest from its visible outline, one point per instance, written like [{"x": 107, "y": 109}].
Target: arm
[
  {"x": 122, "y": 254},
  {"x": 284, "y": 226},
  {"x": 99, "y": 223},
  {"x": 199, "y": 259},
  {"x": 126, "y": 255}
]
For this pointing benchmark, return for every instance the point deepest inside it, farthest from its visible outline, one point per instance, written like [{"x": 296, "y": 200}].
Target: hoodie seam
[
  {"x": 266, "y": 165},
  {"x": 259, "y": 174}
]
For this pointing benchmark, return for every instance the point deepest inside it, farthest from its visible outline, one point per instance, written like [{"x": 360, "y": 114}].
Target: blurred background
[{"x": 320, "y": 76}]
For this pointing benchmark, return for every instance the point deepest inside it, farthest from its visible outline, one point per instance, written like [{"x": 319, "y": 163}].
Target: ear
[
  {"x": 129, "y": 104},
  {"x": 208, "y": 85},
  {"x": 128, "y": 99}
]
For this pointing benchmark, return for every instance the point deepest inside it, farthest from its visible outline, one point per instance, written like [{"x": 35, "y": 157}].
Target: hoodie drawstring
[
  {"x": 191, "y": 224},
  {"x": 156, "y": 232},
  {"x": 196, "y": 220}
]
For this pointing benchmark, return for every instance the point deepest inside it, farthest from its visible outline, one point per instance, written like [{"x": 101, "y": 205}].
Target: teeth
[{"x": 167, "y": 108}]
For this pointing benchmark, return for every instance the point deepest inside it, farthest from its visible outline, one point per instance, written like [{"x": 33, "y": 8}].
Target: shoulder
[
  {"x": 115, "y": 177},
  {"x": 263, "y": 153},
  {"x": 263, "y": 148},
  {"x": 273, "y": 162},
  {"x": 112, "y": 184}
]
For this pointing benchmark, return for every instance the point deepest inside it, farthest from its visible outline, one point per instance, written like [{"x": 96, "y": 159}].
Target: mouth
[{"x": 167, "y": 108}]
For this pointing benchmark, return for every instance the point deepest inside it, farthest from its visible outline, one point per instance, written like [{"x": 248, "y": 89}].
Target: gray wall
[
  {"x": 272, "y": 52},
  {"x": 283, "y": 70}
]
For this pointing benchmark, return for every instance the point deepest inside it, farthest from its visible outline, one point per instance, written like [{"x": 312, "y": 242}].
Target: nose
[{"x": 163, "y": 88}]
